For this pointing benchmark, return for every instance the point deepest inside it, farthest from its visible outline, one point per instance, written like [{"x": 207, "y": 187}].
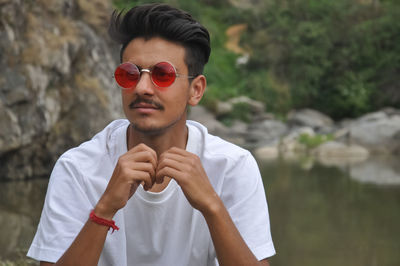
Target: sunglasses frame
[{"x": 150, "y": 71}]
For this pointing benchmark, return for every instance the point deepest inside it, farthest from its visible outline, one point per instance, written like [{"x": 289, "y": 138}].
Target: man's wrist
[
  {"x": 213, "y": 208},
  {"x": 101, "y": 221},
  {"x": 101, "y": 211}
]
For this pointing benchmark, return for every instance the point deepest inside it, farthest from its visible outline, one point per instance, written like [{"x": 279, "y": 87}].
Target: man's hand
[
  {"x": 187, "y": 170},
  {"x": 134, "y": 167}
]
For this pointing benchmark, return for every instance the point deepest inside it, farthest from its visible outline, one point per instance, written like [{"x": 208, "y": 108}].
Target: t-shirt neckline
[{"x": 192, "y": 146}]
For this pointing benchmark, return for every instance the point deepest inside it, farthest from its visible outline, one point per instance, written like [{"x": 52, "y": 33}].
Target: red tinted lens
[
  {"x": 163, "y": 74},
  {"x": 127, "y": 75}
]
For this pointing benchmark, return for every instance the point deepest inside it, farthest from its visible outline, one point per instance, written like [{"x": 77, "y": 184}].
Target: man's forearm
[
  {"x": 87, "y": 246},
  {"x": 230, "y": 247}
]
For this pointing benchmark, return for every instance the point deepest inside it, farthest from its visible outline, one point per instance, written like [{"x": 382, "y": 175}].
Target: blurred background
[{"x": 312, "y": 88}]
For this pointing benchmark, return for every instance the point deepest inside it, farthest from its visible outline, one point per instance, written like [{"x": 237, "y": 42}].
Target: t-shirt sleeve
[
  {"x": 244, "y": 197},
  {"x": 64, "y": 213}
]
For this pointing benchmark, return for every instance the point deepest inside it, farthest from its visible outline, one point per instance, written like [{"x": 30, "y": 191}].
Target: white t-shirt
[{"x": 155, "y": 228}]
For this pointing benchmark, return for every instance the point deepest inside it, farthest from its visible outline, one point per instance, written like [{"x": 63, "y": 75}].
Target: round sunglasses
[{"x": 162, "y": 74}]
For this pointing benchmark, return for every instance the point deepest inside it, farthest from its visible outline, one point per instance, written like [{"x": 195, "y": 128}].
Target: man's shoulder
[{"x": 104, "y": 142}]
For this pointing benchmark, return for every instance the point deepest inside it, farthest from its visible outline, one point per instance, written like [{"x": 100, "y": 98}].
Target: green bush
[
  {"x": 312, "y": 142},
  {"x": 339, "y": 57}
]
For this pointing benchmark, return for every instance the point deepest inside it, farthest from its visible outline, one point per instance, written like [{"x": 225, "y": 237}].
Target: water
[
  {"x": 320, "y": 215},
  {"x": 323, "y": 216},
  {"x": 20, "y": 207}
]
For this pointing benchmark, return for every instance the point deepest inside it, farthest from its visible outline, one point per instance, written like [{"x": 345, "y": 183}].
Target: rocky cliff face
[{"x": 56, "y": 85}]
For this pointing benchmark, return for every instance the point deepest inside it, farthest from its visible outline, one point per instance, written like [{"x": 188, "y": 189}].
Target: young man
[{"x": 178, "y": 195}]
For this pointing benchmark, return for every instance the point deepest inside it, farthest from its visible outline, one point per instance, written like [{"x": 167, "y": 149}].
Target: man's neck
[{"x": 175, "y": 136}]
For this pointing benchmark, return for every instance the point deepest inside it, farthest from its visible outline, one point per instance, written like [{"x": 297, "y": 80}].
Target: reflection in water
[
  {"x": 323, "y": 217},
  {"x": 382, "y": 171},
  {"x": 320, "y": 215},
  {"x": 20, "y": 207}
]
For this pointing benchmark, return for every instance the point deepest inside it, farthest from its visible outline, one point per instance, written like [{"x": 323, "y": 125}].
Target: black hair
[{"x": 172, "y": 24}]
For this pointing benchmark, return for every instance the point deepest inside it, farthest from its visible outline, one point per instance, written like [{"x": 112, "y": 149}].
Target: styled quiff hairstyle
[{"x": 161, "y": 20}]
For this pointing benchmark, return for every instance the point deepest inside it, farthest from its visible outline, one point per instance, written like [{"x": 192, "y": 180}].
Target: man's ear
[{"x": 197, "y": 88}]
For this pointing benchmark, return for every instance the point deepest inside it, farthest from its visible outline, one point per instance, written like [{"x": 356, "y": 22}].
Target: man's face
[{"x": 151, "y": 109}]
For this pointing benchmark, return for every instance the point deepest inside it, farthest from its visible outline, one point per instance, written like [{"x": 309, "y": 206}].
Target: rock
[
  {"x": 18, "y": 95},
  {"x": 340, "y": 162},
  {"x": 263, "y": 116},
  {"x": 242, "y": 60},
  {"x": 223, "y": 108},
  {"x": 391, "y": 111},
  {"x": 237, "y": 133},
  {"x": 238, "y": 127},
  {"x": 202, "y": 115},
  {"x": 310, "y": 118},
  {"x": 333, "y": 149},
  {"x": 56, "y": 89},
  {"x": 290, "y": 143},
  {"x": 10, "y": 133},
  {"x": 267, "y": 131},
  {"x": 342, "y": 133},
  {"x": 266, "y": 152},
  {"x": 20, "y": 208},
  {"x": 226, "y": 107},
  {"x": 378, "y": 131},
  {"x": 245, "y": 4},
  {"x": 372, "y": 117},
  {"x": 295, "y": 133},
  {"x": 256, "y": 107}
]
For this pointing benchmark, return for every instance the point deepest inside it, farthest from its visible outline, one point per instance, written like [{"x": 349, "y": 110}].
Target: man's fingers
[
  {"x": 168, "y": 171},
  {"x": 145, "y": 156},
  {"x": 142, "y": 152},
  {"x": 159, "y": 179},
  {"x": 140, "y": 176},
  {"x": 175, "y": 150},
  {"x": 179, "y": 161},
  {"x": 168, "y": 161},
  {"x": 139, "y": 157},
  {"x": 173, "y": 163},
  {"x": 170, "y": 157},
  {"x": 145, "y": 167}
]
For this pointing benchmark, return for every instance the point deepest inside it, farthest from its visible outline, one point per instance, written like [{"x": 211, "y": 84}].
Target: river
[{"x": 320, "y": 215}]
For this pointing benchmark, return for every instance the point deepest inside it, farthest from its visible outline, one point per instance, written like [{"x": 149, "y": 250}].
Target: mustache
[{"x": 139, "y": 100}]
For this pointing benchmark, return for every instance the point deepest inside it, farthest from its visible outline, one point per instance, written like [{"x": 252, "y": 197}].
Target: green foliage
[
  {"x": 314, "y": 141},
  {"x": 339, "y": 57}
]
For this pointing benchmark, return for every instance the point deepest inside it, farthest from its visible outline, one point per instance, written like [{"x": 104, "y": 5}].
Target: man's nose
[{"x": 145, "y": 85}]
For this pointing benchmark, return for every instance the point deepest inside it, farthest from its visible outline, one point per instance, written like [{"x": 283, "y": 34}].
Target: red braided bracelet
[{"x": 101, "y": 221}]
